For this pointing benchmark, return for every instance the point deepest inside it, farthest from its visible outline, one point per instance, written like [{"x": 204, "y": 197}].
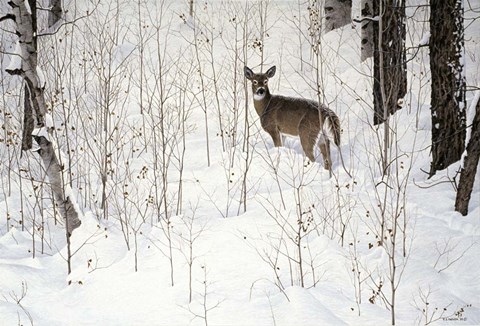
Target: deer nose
[{"x": 261, "y": 91}]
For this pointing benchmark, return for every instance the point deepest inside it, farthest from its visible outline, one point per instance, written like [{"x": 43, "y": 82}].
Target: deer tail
[
  {"x": 329, "y": 117},
  {"x": 334, "y": 125}
]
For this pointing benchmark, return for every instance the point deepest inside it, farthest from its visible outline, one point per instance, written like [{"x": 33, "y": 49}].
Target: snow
[
  {"x": 15, "y": 58},
  {"x": 243, "y": 261},
  {"x": 41, "y": 132},
  {"x": 41, "y": 77},
  {"x": 49, "y": 121},
  {"x": 425, "y": 39}
]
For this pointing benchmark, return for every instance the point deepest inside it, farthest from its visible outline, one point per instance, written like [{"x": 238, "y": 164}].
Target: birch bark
[
  {"x": 338, "y": 13},
  {"x": 35, "y": 113}
]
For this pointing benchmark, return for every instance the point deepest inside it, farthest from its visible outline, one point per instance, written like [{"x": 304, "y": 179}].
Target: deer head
[{"x": 259, "y": 82}]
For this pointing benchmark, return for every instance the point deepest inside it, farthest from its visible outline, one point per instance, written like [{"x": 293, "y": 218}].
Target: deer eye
[
  {"x": 255, "y": 82},
  {"x": 265, "y": 81}
]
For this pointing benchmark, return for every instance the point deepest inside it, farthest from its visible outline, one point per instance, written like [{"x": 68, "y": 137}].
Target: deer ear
[
  {"x": 271, "y": 72},
  {"x": 248, "y": 73}
]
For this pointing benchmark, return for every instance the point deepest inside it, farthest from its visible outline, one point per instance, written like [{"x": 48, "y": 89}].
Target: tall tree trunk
[
  {"x": 448, "y": 83},
  {"x": 56, "y": 178},
  {"x": 393, "y": 63},
  {"x": 470, "y": 165},
  {"x": 338, "y": 13},
  {"x": 35, "y": 111}
]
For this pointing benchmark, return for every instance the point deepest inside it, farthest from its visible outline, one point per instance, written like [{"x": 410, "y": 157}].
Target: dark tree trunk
[
  {"x": 28, "y": 120},
  {"x": 33, "y": 14},
  {"x": 338, "y": 13},
  {"x": 393, "y": 62},
  {"x": 448, "y": 83},
  {"x": 470, "y": 165}
]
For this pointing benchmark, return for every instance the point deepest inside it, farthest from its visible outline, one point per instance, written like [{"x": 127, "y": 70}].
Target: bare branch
[{"x": 7, "y": 17}]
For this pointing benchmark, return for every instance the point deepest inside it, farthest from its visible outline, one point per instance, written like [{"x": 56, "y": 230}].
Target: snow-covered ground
[{"x": 211, "y": 262}]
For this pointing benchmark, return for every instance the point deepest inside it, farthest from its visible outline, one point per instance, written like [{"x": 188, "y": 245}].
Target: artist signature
[{"x": 454, "y": 318}]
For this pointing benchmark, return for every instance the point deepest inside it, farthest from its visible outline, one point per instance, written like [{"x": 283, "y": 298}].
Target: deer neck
[{"x": 262, "y": 104}]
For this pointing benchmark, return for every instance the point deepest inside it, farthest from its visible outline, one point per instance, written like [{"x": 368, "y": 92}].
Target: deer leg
[
  {"x": 324, "y": 144},
  {"x": 276, "y": 137},
  {"x": 307, "y": 139}
]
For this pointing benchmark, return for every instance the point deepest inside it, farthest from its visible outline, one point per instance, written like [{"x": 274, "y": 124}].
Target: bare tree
[
  {"x": 188, "y": 235},
  {"x": 293, "y": 224},
  {"x": 205, "y": 299},
  {"x": 17, "y": 299},
  {"x": 432, "y": 311}
]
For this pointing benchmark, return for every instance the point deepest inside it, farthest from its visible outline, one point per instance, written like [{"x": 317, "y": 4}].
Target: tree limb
[{"x": 7, "y": 17}]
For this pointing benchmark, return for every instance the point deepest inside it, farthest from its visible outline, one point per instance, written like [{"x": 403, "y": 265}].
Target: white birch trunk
[
  {"x": 48, "y": 151},
  {"x": 367, "y": 46},
  {"x": 338, "y": 13}
]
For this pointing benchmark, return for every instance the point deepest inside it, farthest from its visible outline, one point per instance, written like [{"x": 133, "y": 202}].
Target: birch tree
[
  {"x": 448, "y": 83},
  {"x": 369, "y": 28},
  {"x": 38, "y": 123},
  {"x": 337, "y": 14}
]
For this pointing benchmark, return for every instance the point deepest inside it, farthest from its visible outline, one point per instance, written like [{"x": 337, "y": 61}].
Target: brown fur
[{"x": 293, "y": 116}]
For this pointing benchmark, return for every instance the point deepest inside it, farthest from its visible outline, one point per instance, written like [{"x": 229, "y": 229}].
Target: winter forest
[{"x": 239, "y": 162}]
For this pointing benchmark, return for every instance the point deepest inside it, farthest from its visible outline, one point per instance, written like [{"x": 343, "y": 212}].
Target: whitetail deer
[{"x": 293, "y": 116}]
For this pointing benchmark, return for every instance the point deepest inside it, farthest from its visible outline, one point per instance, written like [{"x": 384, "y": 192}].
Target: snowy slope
[{"x": 244, "y": 264}]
